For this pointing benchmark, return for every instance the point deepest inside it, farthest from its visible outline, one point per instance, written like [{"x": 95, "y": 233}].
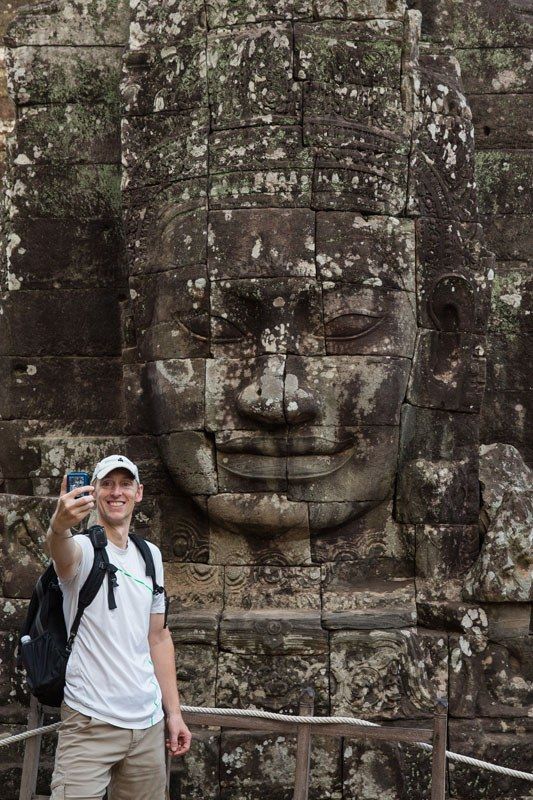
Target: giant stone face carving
[{"x": 285, "y": 302}]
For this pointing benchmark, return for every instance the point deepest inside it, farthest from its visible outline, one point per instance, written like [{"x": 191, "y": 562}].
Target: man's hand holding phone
[{"x": 72, "y": 507}]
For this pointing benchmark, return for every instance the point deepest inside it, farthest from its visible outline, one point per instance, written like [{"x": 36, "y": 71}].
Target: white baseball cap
[{"x": 108, "y": 464}]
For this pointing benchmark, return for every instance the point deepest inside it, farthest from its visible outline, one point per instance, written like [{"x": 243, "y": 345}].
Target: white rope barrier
[{"x": 240, "y": 712}]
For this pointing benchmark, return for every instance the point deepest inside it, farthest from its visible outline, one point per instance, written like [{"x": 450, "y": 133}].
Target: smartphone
[{"x": 75, "y": 479}]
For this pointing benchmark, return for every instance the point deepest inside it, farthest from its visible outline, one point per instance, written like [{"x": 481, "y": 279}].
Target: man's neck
[{"x": 117, "y": 534}]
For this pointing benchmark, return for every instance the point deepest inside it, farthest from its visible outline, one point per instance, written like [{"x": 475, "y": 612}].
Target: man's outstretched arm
[
  {"x": 162, "y": 653},
  {"x": 70, "y": 510}
]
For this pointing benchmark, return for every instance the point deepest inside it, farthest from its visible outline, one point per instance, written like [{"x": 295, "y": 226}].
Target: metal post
[
  {"x": 303, "y": 746},
  {"x": 438, "y": 766},
  {"x": 32, "y": 752}
]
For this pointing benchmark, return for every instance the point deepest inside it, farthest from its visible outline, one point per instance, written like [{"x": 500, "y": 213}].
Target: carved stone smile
[{"x": 298, "y": 458}]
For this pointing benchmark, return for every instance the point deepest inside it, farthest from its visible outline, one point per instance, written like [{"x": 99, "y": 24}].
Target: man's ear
[{"x": 139, "y": 493}]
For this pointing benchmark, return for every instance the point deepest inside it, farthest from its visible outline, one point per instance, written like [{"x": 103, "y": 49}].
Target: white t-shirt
[{"x": 110, "y": 675}]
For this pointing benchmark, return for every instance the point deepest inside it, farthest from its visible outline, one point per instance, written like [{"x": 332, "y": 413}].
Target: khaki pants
[{"x": 92, "y": 755}]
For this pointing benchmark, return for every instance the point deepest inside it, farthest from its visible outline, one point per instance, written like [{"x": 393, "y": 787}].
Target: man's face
[{"x": 116, "y": 495}]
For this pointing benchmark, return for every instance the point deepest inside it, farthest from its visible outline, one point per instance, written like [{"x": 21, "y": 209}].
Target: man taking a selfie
[{"x": 121, "y": 677}]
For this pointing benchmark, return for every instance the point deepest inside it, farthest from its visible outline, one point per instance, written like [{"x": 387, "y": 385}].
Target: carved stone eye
[
  {"x": 224, "y": 331},
  {"x": 352, "y": 326},
  {"x": 197, "y": 325}
]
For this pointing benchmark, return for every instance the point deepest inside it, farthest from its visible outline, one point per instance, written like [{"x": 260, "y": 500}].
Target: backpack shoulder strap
[
  {"x": 144, "y": 549},
  {"x": 91, "y": 587}
]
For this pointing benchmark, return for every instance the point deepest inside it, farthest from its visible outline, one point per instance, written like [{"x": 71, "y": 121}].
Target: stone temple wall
[{"x": 258, "y": 269}]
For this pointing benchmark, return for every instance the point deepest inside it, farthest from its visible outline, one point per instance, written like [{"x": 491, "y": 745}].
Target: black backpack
[{"x": 47, "y": 651}]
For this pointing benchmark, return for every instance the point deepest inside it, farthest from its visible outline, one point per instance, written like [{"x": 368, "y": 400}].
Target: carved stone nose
[
  {"x": 277, "y": 399},
  {"x": 262, "y": 399},
  {"x": 300, "y": 404}
]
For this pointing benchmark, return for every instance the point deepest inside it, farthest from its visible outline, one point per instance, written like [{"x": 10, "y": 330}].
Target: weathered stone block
[
  {"x": 490, "y": 678},
  {"x": 368, "y": 321},
  {"x": 177, "y": 389},
  {"x": 194, "y": 586},
  {"x": 166, "y": 23},
  {"x": 273, "y": 632},
  {"x": 238, "y": 393},
  {"x": 29, "y": 388},
  {"x": 441, "y": 182},
  {"x": 444, "y": 554},
  {"x": 378, "y": 251},
  {"x": 359, "y": 9},
  {"x": 49, "y": 74},
  {"x": 495, "y": 70},
  {"x": 136, "y": 393},
  {"x": 441, "y": 88},
  {"x": 191, "y": 461},
  {"x": 500, "y": 121},
  {"x": 252, "y": 317},
  {"x": 198, "y": 774},
  {"x": 253, "y": 761},
  {"x": 501, "y": 742},
  {"x": 12, "y": 613},
  {"x": 87, "y": 326},
  {"x": 512, "y": 296},
  {"x": 508, "y": 236},
  {"x": 503, "y": 180},
  {"x": 248, "y": 545},
  {"x": 182, "y": 526},
  {"x": 351, "y": 531},
  {"x": 168, "y": 79},
  {"x": 57, "y": 453},
  {"x": 454, "y": 274},
  {"x": 73, "y": 133},
  {"x": 166, "y": 228},
  {"x": 157, "y": 148},
  {"x": 75, "y": 22},
  {"x": 505, "y": 419},
  {"x": 259, "y": 166},
  {"x": 388, "y": 674},
  {"x": 13, "y": 688},
  {"x": 260, "y": 243},
  {"x": 276, "y": 588},
  {"x": 222, "y": 13},
  {"x": 372, "y": 181},
  {"x": 54, "y": 191},
  {"x": 171, "y": 315},
  {"x": 336, "y": 466},
  {"x": 196, "y": 672},
  {"x": 250, "y": 74},
  {"x": 194, "y": 626},
  {"x": 378, "y": 593},
  {"x": 271, "y": 682},
  {"x": 348, "y": 390},
  {"x": 248, "y": 463},
  {"x": 53, "y": 250},
  {"x": 374, "y": 770},
  {"x": 23, "y": 526},
  {"x": 341, "y": 116},
  {"x": 480, "y": 25},
  {"x": 438, "y": 480},
  {"x": 365, "y": 53},
  {"x": 448, "y": 371},
  {"x": 504, "y": 569}
]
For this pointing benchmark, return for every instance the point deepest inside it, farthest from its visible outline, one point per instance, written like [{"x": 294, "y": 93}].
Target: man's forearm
[
  {"x": 63, "y": 549},
  {"x": 162, "y": 653}
]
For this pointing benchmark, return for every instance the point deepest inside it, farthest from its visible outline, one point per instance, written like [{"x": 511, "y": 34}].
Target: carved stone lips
[{"x": 292, "y": 458}]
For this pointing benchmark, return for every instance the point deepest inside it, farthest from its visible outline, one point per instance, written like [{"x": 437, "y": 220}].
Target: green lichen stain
[{"x": 506, "y": 304}]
